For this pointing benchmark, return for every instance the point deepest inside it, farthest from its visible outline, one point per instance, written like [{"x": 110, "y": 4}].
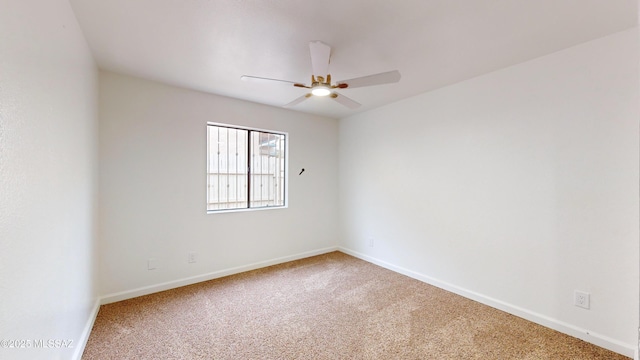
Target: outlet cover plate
[
  {"x": 152, "y": 264},
  {"x": 582, "y": 299}
]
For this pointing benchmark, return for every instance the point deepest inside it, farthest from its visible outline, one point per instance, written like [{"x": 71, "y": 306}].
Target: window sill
[{"x": 209, "y": 212}]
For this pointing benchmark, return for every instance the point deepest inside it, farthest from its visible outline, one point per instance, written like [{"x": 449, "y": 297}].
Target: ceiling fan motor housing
[{"x": 320, "y": 87}]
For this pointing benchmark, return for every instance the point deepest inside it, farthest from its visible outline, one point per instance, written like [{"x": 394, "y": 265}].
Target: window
[{"x": 246, "y": 168}]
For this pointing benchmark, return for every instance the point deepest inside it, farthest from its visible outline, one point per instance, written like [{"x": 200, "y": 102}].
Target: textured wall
[
  {"x": 517, "y": 187},
  {"x": 48, "y": 173},
  {"x": 153, "y": 185}
]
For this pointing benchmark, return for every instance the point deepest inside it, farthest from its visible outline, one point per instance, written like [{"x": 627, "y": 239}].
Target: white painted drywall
[
  {"x": 48, "y": 179},
  {"x": 153, "y": 186},
  {"x": 520, "y": 186}
]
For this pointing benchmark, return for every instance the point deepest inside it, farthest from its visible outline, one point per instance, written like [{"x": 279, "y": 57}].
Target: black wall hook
[{"x": 301, "y": 171}]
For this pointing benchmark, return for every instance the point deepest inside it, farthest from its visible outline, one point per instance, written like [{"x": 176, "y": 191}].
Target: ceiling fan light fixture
[{"x": 321, "y": 90}]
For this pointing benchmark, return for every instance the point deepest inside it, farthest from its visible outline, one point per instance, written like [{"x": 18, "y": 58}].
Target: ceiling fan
[{"x": 321, "y": 85}]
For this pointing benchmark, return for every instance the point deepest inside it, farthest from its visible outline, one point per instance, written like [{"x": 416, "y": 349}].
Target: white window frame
[{"x": 286, "y": 170}]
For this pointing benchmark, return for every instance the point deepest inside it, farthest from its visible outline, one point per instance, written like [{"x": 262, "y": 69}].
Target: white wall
[
  {"x": 515, "y": 188},
  {"x": 48, "y": 178},
  {"x": 153, "y": 187}
]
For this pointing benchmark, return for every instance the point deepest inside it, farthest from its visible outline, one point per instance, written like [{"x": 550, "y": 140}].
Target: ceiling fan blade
[
  {"x": 263, "y": 80},
  {"x": 351, "y": 104},
  {"x": 375, "y": 79},
  {"x": 298, "y": 100},
  {"x": 320, "y": 55}
]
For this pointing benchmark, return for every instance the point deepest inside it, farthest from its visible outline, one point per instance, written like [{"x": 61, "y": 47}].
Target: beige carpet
[{"x": 331, "y": 306}]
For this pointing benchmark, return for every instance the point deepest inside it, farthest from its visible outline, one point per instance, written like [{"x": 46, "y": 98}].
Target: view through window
[{"x": 246, "y": 168}]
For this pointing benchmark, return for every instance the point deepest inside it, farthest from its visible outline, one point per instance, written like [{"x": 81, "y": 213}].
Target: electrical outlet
[
  {"x": 152, "y": 264},
  {"x": 191, "y": 257},
  {"x": 371, "y": 241},
  {"x": 581, "y": 299}
]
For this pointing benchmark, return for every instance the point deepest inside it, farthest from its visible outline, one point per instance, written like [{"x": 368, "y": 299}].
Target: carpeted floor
[{"x": 331, "y": 306}]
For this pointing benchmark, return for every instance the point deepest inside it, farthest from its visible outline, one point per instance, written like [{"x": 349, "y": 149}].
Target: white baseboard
[
  {"x": 146, "y": 290},
  {"x": 583, "y": 334},
  {"x": 84, "y": 337}
]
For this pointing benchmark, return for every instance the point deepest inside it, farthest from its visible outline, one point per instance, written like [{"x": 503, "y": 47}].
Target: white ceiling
[{"x": 207, "y": 45}]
